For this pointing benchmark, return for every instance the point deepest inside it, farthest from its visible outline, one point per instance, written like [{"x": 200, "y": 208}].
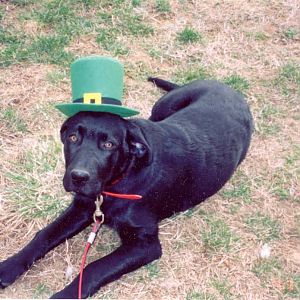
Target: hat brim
[{"x": 71, "y": 109}]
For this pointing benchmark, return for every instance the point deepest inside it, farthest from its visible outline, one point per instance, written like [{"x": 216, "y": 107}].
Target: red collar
[
  {"x": 115, "y": 181},
  {"x": 123, "y": 196}
]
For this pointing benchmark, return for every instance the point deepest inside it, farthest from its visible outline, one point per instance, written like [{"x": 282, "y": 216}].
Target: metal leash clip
[
  {"x": 98, "y": 214},
  {"x": 99, "y": 219}
]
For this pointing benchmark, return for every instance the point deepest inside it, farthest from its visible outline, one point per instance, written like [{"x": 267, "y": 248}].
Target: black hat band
[{"x": 104, "y": 100}]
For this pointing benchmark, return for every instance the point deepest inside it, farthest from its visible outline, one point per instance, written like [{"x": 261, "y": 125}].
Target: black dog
[{"x": 194, "y": 140}]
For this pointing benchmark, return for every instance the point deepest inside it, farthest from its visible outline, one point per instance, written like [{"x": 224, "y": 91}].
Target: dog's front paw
[
  {"x": 10, "y": 270},
  {"x": 59, "y": 295},
  {"x": 67, "y": 293},
  {"x": 64, "y": 295},
  {"x": 71, "y": 291}
]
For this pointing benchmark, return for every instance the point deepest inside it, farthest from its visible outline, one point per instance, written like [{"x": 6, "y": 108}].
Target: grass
[
  {"x": 50, "y": 49},
  {"x": 41, "y": 291},
  {"x": 292, "y": 286},
  {"x": 191, "y": 73},
  {"x": 297, "y": 221},
  {"x": 13, "y": 121},
  {"x": 264, "y": 227},
  {"x": 223, "y": 287},
  {"x": 189, "y": 35},
  {"x": 239, "y": 188},
  {"x": 291, "y": 73},
  {"x": 163, "y": 6},
  {"x": 263, "y": 268},
  {"x": 258, "y": 36},
  {"x": 266, "y": 124},
  {"x": 63, "y": 18},
  {"x": 290, "y": 33},
  {"x": 241, "y": 191},
  {"x": 198, "y": 72},
  {"x": 13, "y": 46},
  {"x": 288, "y": 79},
  {"x": 271, "y": 270},
  {"x": 117, "y": 23},
  {"x": 152, "y": 269},
  {"x": 125, "y": 21},
  {"x": 108, "y": 39},
  {"x": 237, "y": 82},
  {"x": 22, "y": 3},
  {"x": 218, "y": 236},
  {"x": 43, "y": 49},
  {"x": 211, "y": 251},
  {"x": 292, "y": 159},
  {"x": 65, "y": 23},
  {"x": 55, "y": 13},
  {"x": 281, "y": 184},
  {"x": 136, "y": 3},
  {"x": 56, "y": 77},
  {"x": 8, "y": 36},
  {"x": 21, "y": 47},
  {"x": 283, "y": 177},
  {"x": 194, "y": 295},
  {"x": 27, "y": 178}
]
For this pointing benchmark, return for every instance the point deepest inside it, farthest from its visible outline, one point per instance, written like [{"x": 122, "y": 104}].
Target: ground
[{"x": 213, "y": 251}]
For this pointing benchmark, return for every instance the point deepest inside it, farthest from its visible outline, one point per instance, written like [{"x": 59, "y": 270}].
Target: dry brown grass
[{"x": 239, "y": 37}]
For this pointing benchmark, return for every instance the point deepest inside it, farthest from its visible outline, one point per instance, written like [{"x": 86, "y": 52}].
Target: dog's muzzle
[{"x": 79, "y": 177}]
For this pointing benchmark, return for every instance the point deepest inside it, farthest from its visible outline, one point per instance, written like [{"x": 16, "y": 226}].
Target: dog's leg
[
  {"x": 73, "y": 220},
  {"x": 138, "y": 249}
]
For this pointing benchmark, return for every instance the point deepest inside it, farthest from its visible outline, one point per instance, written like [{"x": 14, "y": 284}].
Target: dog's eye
[
  {"x": 108, "y": 145},
  {"x": 73, "y": 138}
]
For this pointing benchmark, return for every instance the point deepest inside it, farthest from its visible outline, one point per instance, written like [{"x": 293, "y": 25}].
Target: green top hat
[{"x": 97, "y": 85}]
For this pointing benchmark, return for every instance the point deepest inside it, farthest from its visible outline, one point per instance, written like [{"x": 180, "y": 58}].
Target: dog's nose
[{"x": 79, "y": 177}]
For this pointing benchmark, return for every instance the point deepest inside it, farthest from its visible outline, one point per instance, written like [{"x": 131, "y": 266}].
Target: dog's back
[{"x": 212, "y": 125}]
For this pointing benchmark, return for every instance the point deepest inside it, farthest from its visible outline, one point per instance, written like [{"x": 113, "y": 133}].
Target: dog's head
[{"x": 98, "y": 149}]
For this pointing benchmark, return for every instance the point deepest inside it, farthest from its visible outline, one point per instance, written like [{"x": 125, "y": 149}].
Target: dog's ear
[
  {"x": 63, "y": 131},
  {"x": 138, "y": 144}
]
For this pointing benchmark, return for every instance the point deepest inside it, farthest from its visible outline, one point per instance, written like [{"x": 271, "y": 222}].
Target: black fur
[{"x": 193, "y": 142}]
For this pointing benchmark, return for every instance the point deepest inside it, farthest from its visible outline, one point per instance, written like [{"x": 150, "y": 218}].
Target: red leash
[
  {"x": 90, "y": 241},
  {"x": 99, "y": 219}
]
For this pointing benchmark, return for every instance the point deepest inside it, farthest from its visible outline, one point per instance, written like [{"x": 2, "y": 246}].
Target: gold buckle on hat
[{"x": 92, "y": 98}]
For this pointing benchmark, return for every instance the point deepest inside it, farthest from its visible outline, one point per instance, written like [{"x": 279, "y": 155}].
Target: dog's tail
[{"x": 163, "y": 84}]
